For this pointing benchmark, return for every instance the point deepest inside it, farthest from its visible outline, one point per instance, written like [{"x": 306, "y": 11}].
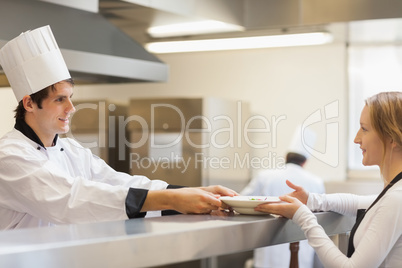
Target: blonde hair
[{"x": 386, "y": 116}]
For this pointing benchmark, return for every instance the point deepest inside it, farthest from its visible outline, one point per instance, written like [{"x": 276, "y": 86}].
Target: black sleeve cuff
[
  {"x": 169, "y": 212},
  {"x": 134, "y": 201},
  {"x": 171, "y": 186}
]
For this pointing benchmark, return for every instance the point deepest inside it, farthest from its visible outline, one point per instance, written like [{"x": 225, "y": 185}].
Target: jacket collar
[{"x": 25, "y": 129}]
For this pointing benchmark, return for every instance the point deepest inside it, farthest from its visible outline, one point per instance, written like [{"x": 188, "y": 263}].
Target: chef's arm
[
  {"x": 175, "y": 199},
  {"x": 135, "y": 201},
  {"x": 184, "y": 200},
  {"x": 170, "y": 212}
]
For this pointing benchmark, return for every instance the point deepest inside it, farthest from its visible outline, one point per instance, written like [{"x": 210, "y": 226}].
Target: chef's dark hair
[
  {"x": 37, "y": 97},
  {"x": 295, "y": 158}
]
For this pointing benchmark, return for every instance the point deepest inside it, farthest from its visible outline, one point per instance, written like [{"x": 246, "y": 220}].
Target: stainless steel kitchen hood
[{"x": 95, "y": 51}]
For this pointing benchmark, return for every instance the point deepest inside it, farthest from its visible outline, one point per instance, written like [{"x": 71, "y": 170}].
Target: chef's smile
[{"x": 65, "y": 120}]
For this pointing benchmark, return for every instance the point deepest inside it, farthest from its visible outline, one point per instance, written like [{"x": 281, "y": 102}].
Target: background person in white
[
  {"x": 272, "y": 183},
  {"x": 46, "y": 180}
]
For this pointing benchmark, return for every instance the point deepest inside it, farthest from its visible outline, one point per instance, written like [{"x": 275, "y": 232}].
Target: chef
[{"x": 47, "y": 180}]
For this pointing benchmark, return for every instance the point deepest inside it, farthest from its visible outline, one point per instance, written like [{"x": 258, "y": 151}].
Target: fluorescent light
[
  {"x": 193, "y": 28},
  {"x": 302, "y": 39}
]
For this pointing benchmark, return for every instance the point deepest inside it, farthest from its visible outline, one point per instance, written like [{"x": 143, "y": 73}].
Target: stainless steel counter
[{"x": 152, "y": 241}]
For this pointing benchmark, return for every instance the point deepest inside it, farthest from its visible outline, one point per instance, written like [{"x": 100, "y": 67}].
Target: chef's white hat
[
  {"x": 33, "y": 61},
  {"x": 301, "y": 139}
]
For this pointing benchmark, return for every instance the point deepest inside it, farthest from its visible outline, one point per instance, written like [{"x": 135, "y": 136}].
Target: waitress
[
  {"x": 45, "y": 179},
  {"x": 376, "y": 238}
]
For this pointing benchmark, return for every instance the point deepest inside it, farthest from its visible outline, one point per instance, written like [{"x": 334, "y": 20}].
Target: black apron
[{"x": 362, "y": 212}]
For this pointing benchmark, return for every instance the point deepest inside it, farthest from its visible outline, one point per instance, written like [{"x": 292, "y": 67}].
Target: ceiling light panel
[
  {"x": 301, "y": 39},
  {"x": 193, "y": 28}
]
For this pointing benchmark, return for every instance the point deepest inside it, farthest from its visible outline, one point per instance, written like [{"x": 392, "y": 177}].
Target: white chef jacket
[
  {"x": 65, "y": 183},
  {"x": 378, "y": 239},
  {"x": 272, "y": 183}
]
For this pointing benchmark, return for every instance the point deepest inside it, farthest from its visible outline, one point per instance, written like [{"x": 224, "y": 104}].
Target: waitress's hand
[
  {"x": 287, "y": 208},
  {"x": 298, "y": 193}
]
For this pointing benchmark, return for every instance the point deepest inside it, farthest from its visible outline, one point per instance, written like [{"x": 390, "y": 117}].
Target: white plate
[
  {"x": 248, "y": 211},
  {"x": 246, "y": 204}
]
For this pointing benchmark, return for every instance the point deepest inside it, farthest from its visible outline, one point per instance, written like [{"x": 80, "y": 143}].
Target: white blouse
[{"x": 377, "y": 241}]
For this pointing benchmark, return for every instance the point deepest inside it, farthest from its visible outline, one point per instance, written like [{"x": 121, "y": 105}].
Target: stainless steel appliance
[
  {"x": 95, "y": 126},
  {"x": 189, "y": 141}
]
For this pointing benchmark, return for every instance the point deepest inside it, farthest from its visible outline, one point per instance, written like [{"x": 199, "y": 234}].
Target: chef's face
[
  {"x": 369, "y": 141},
  {"x": 53, "y": 118}
]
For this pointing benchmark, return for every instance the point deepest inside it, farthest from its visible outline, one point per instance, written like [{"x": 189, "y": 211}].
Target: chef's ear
[{"x": 27, "y": 102}]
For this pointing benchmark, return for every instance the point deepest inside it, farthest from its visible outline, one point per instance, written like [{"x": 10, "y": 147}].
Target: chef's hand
[
  {"x": 194, "y": 201},
  {"x": 298, "y": 193},
  {"x": 287, "y": 208},
  {"x": 220, "y": 190}
]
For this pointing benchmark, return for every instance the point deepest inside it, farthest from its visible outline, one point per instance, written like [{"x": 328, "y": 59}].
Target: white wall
[
  {"x": 7, "y": 105},
  {"x": 294, "y": 82},
  {"x": 291, "y": 82}
]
